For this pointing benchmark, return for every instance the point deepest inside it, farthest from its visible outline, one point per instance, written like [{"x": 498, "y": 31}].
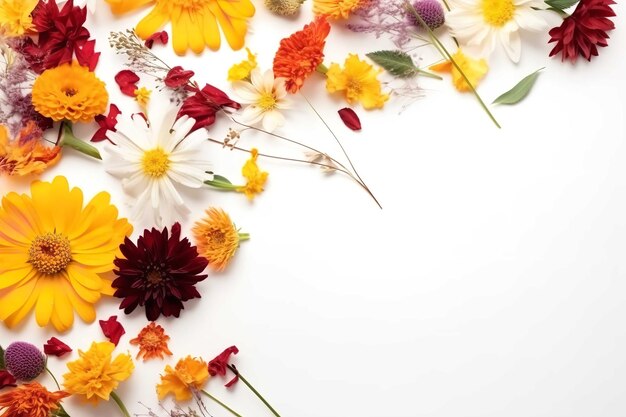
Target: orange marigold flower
[
  {"x": 152, "y": 342},
  {"x": 26, "y": 154},
  {"x": 32, "y": 400},
  {"x": 189, "y": 374},
  {"x": 336, "y": 9},
  {"x": 300, "y": 54}
]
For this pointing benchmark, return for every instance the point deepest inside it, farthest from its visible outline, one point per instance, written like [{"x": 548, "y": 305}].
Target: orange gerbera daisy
[
  {"x": 152, "y": 342},
  {"x": 300, "y": 54},
  {"x": 30, "y": 400},
  {"x": 189, "y": 375}
]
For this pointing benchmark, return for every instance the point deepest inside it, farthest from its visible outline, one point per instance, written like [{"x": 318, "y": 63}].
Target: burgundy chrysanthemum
[
  {"x": 158, "y": 273},
  {"x": 584, "y": 31}
]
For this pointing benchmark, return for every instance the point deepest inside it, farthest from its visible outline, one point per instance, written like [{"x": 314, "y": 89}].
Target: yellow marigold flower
[
  {"x": 336, "y": 9},
  {"x": 142, "y": 96},
  {"x": 358, "y": 82},
  {"x": 256, "y": 178},
  {"x": 195, "y": 23},
  {"x": 217, "y": 238},
  {"x": 189, "y": 374},
  {"x": 15, "y": 18},
  {"x": 56, "y": 254},
  {"x": 32, "y": 400},
  {"x": 26, "y": 154},
  {"x": 69, "y": 92},
  {"x": 474, "y": 69},
  {"x": 152, "y": 342},
  {"x": 241, "y": 71},
  {"x": 95, "y": 375}
]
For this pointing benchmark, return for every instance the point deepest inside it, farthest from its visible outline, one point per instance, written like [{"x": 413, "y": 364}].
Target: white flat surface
[{"x": 492, "y": 284}]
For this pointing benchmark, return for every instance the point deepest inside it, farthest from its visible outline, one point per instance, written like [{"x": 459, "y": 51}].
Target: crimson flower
[
  {"x": 204, "y": 105},
  {"x": 54, "y": 347},
  {"x": 106, "y": 123},
  {"x": 584, "y": 31},
  {"x": 7, "y": 380},
  {"x": 219, "y": 364},
  {"x": 158, "y": 273},
  {"x": 112, "y": 329}
]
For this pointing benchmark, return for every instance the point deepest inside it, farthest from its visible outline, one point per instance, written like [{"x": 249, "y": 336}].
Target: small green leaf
[
  {"x": 561, "y": 4},
  {"x": 520, "y": 91},
  {"x": 221, "y": 179},
  {"x": 2, "y": 365},
  {"x": 397, "y": 63}
]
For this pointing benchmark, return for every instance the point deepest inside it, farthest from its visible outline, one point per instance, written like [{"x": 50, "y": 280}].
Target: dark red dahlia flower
[
  {"x": 584, "y": 31},
  {"x": 204, "y": 105},
  {"x": 158, "y": 273}
]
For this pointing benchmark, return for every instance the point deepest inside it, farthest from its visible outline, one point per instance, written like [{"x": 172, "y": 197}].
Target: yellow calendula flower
[
  {"x": 358, "y": 81},
  {"x": 241, "y": 71},
  {"x": 195, "y": 23},
  {"x": 56, "y": 255},
  {"x": 336, "y": 9},
  {"x": 15, "y": 18},
  {"x": 95, "y": 375},
  {"x": 474, "y": 69},
  {"x": 69, "y": 92},
  {"x": 256, "y": 178},
  {"x": 142, "y": 97},
  {"x": 189, "y": 374}
]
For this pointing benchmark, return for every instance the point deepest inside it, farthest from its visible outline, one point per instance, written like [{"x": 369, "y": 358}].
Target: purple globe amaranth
[
  {"x": 431, "y": 12},
  {"x": 24, "y": 361}
]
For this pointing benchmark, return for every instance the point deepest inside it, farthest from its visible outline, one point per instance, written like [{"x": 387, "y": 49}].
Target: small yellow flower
[
  {"x": 142, "y": 97},
  {"x": 358, "y": 82},
  {"x": 256, "y": 178},
  {"x": 189, "y": 374},
  {"x": 241, "y": 71},
  {"x": 336, "y": 9},
  {"x": 95, "y": 375},
  {"x": 15, "y": 18},
  {"x": 474, "y": 69}
]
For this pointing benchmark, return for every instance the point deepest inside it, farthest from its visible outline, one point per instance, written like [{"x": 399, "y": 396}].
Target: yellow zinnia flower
[
  {"x": 15, "y": 18},
  {"x": 358, "y": 82},
  {"x": 256, "y": 178},
  {"x": 335, "y": 9},
  {"x": 474, "y": 69},
  {"x": 241, "y": 71},
  {"x": 69, "y": 92},
  {"x": 95, "y": 375},
  {"x": 189, "y": 374},
  {"x": 194, "y": 22},
  {"x": 54, "y": 252}
]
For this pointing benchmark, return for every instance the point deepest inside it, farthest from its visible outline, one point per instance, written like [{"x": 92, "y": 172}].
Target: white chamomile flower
[
  {"x": 483, "y": 23},
  {"x": 153, "y": 162},
  {"x": 266, "y": 96}
]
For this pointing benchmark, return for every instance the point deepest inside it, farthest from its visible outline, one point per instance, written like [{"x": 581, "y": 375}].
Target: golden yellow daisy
[
  {"x": 336, "y": 9},
  {"x": 55, "y": 254},
  {"x": 195, "y": 23},
  {"x": 217, "y": 238},
  {"x": 241, "y": 71},
  {"x": 188, "y": 375},
  {"x": 15, "y": 18},
  {"x": 474, "y": 69},
  {"x": 256, "y": 178},
  {"x": 358, "y": 80},
  {"x": 69, "y": 92},
  {"x": 95, "y": 375}
]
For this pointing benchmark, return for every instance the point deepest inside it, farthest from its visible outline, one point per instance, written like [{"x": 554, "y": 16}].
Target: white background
[{"x": 491, "y": 284}]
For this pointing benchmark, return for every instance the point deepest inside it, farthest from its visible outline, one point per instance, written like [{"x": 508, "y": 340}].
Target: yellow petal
[
  {"x": 211, "y": 31},
  {"x": 152, "y": 23},
  {"x": 123, "y": 6},
  {"x": 45, "y": 301}
]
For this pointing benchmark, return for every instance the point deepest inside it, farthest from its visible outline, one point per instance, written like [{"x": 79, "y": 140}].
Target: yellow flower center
[
  {"x": 498, "y": 12},
  {"x": 50, "y": 253},
  {"x": 192, "y": 5},
  {"x": 155, "y": 163},
  {"x": 267, "y": 102},
  {"x": 354, "y": 86},
  {"x": 216, "y": 238}
]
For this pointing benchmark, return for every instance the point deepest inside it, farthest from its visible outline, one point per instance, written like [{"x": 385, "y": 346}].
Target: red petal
[
  {"x": 127, "y": 80},
  {"x": 54, "y": 347},
  {"x": 161, "y": 37},
  {"x": 219, "y": 365},
  {"x": 350, "y": 118},
  {"x": 178, "y": 77},
  {"x": 112, "y": 329},
  {"x": 7, "y": 380}
]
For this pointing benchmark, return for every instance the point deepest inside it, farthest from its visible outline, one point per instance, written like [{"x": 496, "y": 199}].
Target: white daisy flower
[
  {"x": 152, "y": 162},
  {"x": 482, "y": 23},
  {"x": 265, "y": 96}
]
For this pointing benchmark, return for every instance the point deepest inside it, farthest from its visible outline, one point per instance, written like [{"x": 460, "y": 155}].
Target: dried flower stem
[{"x": 227, "y": 408}]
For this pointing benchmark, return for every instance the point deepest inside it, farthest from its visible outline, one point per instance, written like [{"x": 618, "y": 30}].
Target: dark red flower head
[
  {"x": 54, "y": 347},
  {"x": 584, "y": 31},
  {"x": 219, "y": 365},
  {"x": 158, "y": 273},
  {"x": 204, "y": 105}
]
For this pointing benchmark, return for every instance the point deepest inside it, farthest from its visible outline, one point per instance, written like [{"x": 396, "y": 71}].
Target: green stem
[
  {"x": 53, "y": 377},
  {"x": 445, "y": 3},
  {"x": 68, "y": 139},
  {"x": 233, "y": 412},
  {"x": 322, "y": 69},
  {"x": 448, "y": 56},
  {"x": 244, "y": 236},
  {"x": 61, "y": 411},
  {"x": 120, "y": 404},
  {"x": 232, "y": 368},
  {"x": 429, "y": 74}
]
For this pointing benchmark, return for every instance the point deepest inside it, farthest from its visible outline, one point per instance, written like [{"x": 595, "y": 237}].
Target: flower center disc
[
  {"x": 50, "y": 253},
  {"x": 498, "y": 12},
  {"x": 267, "y": 101},
  {"x": 155, "y": 163}
]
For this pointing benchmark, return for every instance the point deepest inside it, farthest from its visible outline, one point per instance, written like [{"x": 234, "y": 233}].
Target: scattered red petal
[
  {"x": 7, "y": 380},
  {"x": 54, "y": 347},
  {"x": 219, "y": 365},
  {"x": 87, "y": 55},
  {"x": 106, "y": 123},
  {"x": 112, "y": 329},
  {"x": 350, "y": 118},
  {"x": 127, "y": 80},
  {"x": 161, "y": 37},
  {"x": 178, "y": 77},
  {"x": 204, "y": 105}
]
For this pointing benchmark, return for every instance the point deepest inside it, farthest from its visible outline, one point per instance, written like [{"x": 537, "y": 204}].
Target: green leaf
[
  {"x": 2, "y": 365},
  {"x": 520, "y": 91},
  {"x": 561, "y": 4},
  {"x": 221, "y": 179},
  {"x": 73, "y": 142},
  {"x": 397, "y": 63}
]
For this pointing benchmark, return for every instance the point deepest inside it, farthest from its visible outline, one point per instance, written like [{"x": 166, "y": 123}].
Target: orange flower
[
  {"x": 32, "y": 400},
  {"x": 152, "y": 342},
  {"x": 300, "y": 54},
  {"x": 26, "y": 154},
  {"x": 189, "y": 375}
]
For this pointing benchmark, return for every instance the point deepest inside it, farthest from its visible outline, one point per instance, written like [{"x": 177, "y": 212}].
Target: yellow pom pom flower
[
  {"x": 69, "y": 92},
  {"x": 56, "y": 253},
  {"x": 336, "y": 9},
  {"x": 256, "y": 178},
  {"x": 474, "y": 69},
  {"x": 241, "y": 71},
  {"x": 15, "y": 18},
  {"x": 358, "y": 80},
  {"x": 190, "y": 374}
]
